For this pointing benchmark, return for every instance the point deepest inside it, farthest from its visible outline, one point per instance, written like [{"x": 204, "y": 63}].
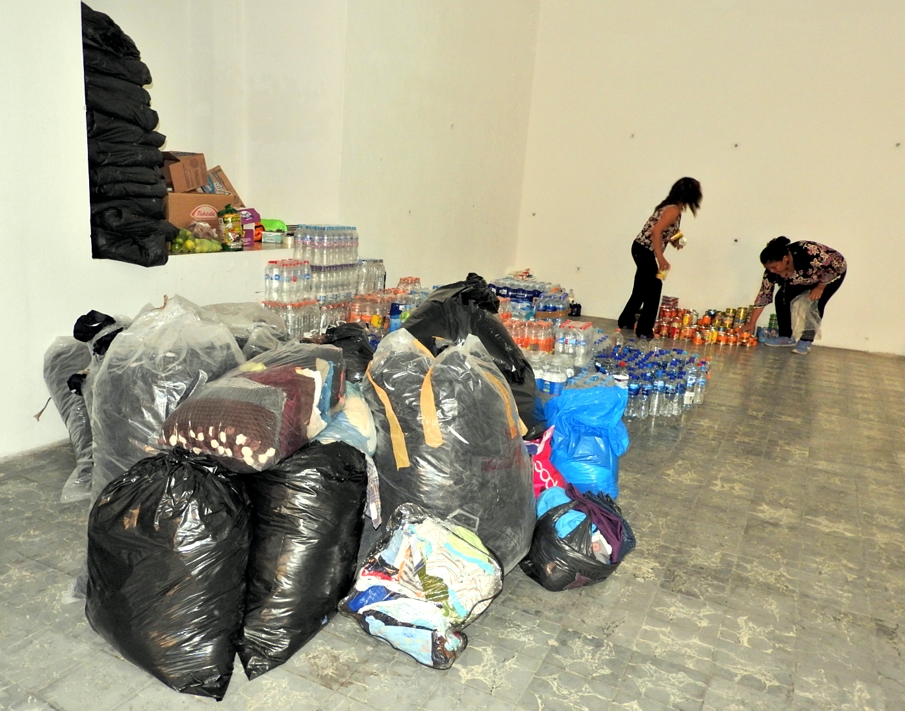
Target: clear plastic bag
[
  {"x": 65, "y": 357},
  {"x": 806, "y": 318},
  {"x": 354, "y": 424},
  {"x": 425, "y": 580},
  {"x": 149, "y": 368},
  {"x": 251, "y": 320},
  {"x": 449, "y": 440}
]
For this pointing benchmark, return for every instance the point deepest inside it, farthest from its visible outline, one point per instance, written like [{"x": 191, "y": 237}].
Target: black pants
[
  {"x": 645, "y": 293},
  {"x": 783, "y": 305}
]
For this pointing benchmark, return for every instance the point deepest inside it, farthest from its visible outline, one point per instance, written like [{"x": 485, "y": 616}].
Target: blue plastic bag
[{"x": 589, "y": 437}]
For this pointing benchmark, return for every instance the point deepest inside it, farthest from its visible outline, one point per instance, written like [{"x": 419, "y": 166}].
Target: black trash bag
[
  {"x": 124, "y": 174},
  {"x": 100, "y": 61},
  {"x": 123, "y": 155},
  {"x": 149, "y": 250},
  {"x": 125, "y": 223},
  {"x": 452, "y": 312},
  {"x": 62, "y": 361},
  {"x": 90, "y": 325},
  {"x": 167, "y": 552},
  {"x": 356, "y": 347},
  {"x": 562, "y": 563},
  {"x": 307, "y": 522},
  {"x": 145, "y": 192},
  {"x": 121, "y": 87},
  {"x": 113, "y": 130},
  {"x": 147, "y": 207},
  {"x": 98, "y": 30},
  {"x": 121, "y": 107}
]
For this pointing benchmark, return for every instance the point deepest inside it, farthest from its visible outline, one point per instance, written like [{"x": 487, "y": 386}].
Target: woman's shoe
[
  {"x": 802, "y": 348},
  {"x": 780, "y": 341}
]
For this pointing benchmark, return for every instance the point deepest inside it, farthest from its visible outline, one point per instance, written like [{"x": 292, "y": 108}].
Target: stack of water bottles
[
  {"x": 288, "y": 290},
  {"x": 660, "y": 382},
  {"x": 573, "y": 344},
  {"x": 332, "y": 254}
]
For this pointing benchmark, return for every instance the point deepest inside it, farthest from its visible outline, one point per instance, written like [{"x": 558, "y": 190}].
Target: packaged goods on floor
[
  {"x": 707, "y": 328},
  {"x": 422, "y": 461}
]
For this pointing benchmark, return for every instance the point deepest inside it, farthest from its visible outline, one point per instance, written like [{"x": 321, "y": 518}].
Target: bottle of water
[
  {"x": 556, "y": 377},
  {"x": 701, "y": 383},
  {"x": 271, "y": 279},
  {"x": 621, "y": 375},
  {"x": 617, "y": 341},
  {"x": 658, "y": 395},
  {"x": 633, "y": 406},
  {"x": 679, "y": 407},
  {"x": 669, "y": 405},
  {"x": 691, "y": 380},
  {"x": 644, "y": 400}
]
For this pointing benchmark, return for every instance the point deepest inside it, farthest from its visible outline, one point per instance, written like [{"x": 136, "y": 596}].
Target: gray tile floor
[{"x": 769, "y": 574}]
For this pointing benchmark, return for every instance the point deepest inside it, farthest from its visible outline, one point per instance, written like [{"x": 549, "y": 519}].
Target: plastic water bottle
[
  {"x": 271, "y": 278},
  {"x": 620, "y": 375},
  {"x": 668, "y": 409},
  {"x": 658, "y": 395},
  {"x": 617, "y": 340},
  {"x": 701, "y": 383},
  {"x": 632, "y": 408},
  {"x": 691, "y": 380},
  {"x": 644, "y": 400},
  {"x": 556, "y": 377}
]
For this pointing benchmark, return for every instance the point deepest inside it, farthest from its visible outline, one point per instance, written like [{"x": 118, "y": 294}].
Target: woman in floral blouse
[{"x": 796, "y": 267}]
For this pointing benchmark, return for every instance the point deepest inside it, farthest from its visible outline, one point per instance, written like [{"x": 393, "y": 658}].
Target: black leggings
[
  {"x": 783, "y": 305},
  {"x": 645, "y": 293}
]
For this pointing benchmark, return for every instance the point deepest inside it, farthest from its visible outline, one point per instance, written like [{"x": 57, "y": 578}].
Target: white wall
[
  {"x": 628, "y": 97},
  {"x": 436, "y": 119}
]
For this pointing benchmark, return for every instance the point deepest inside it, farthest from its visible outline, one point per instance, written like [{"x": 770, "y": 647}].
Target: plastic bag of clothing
[
  {"x": 425, "y": 581},
  {"x": 245, "y": 318},
  {"x": 151, "y": 367},
  {"x": 307, "y": 523},
  {"x": 121, "y": 107},
  {"x": 449, "y": 440},
  {"x": 806, "y": 319},
  {"x": 127, "y": 174},
  {"x": 124, "y": 223},
  {"x": 454, "y": 311},
  {"x": 122, "y": 87},
  {"x": 146, "y": 192},
  {"x": 354, "y": 424},
  {"x": 101, "y": 153},
  {"x": 113, "y": 130},
  {"x": 589, "y": 436},
  {"x": 65, "y": 357},
  {"x": 580, "y": 539},
  {"x": 100, "y": 61},
  {"x": 353, "y": 339},
  {"x": 98, "y": 330},
  {"x": 545, "y": 474},
  {"x": 167, "y": 552}
]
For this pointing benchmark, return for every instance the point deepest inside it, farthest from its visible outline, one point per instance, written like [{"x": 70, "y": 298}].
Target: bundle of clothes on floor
[{"x": 245, "y": 487}]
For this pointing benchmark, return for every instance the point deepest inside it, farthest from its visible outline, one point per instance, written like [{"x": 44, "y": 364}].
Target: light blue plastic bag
[{"x": 589, "y": 437}]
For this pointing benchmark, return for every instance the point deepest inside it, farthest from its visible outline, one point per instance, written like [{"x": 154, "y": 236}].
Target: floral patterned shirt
[
  {"x": 644, "y": 238},
  {"x": 814, "y": 264}
]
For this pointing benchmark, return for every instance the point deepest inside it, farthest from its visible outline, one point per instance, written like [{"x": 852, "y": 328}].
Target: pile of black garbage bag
[{"x": 124, "y": 158}]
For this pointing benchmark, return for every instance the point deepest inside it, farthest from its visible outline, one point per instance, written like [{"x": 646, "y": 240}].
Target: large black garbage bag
[
  {"x": 456, "y": 310},
  {"x": 167, "y": 552},
  {"x": 147, "y": 207},
  {"x": 123, "y": 154},
  {"x": 145, "y": 192},
  {"x": 124, "y": 174},
  {"x": 121, "y": 107},
  {"x": 113, "y": 130},
  {"x": 66, "y": 357},
  {"x": 147, "y": 251},
  {"x": 98, "y": 30},
  {"x": 100, "y": 61},
  {"x": 565, "y": 562},
  {"x": 121, "y": 87},
  {"x": 448, "y": 440},
  {"x": 125, "y": 223},
  {"x": 352, "y": 338},
  {"x": 307, "y": 521}
]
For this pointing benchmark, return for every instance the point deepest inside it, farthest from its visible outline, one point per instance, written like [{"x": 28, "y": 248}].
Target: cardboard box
[
  {"x": 184, "y": 171},
  {"x": 184, "y": 208},
  {"x": 216, "y": 183}
]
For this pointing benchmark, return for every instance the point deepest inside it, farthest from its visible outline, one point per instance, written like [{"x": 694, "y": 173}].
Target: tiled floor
[{"x": 769, "y": 574}]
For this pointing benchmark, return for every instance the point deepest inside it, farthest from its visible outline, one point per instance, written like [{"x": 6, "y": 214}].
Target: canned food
[
  {"x": 698, "y": 337},
  {"x": 687, "y": 333},
  {"x": 686, "y": 318},
  {"x": 732, "y": 339},
  {"x": 705, "y": 319}
]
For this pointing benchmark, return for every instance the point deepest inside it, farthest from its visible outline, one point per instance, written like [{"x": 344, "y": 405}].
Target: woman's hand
[
  {"x": 747, "y": 328},
  {"x": 663, "y": 264},
  {"x": 817, "y": 292}
]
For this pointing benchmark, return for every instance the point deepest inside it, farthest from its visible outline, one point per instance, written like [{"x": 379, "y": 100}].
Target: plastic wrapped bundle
[
  {"x": 246, "y": 320},
  {"x": 65, "y": 357},
  {"x": 354, "y": 424},
  {"x": 454, "y": 311},
  {"x": 425, "y": 581},
  {"x": 449, "y": 441},
  {"x": 151, "y": 367},
  {"x": 249, "y": 419},
  {"x": 589, "y": 436},
  {"x": 353, "y": 339},
  {"x": 580, "y": 539},
  {"x": 307, "y": 524},
  {"x": 167, "y": 552}
]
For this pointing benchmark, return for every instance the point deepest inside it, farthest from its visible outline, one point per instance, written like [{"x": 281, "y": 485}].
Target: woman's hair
[
  {"x": 686, "y": 191},
  {"x": 775, "y": 250}
]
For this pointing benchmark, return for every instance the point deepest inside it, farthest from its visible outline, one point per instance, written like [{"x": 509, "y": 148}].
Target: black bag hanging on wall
[
  {"x": 167, "y": 551},
  {"x": 307, "y": 523}
]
